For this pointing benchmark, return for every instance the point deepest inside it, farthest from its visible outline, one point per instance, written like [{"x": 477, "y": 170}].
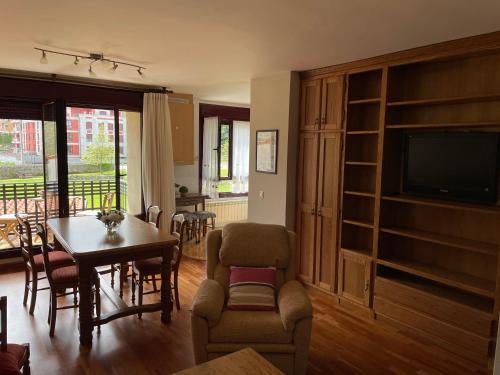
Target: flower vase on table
[{"x": 111, "y": 219}]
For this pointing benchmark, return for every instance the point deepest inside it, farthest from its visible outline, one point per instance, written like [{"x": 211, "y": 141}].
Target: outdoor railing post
[
  {"x": 15, "y": 198},
  {"x": 4, "y": 197},
  {"x": 92, "y": 193}
]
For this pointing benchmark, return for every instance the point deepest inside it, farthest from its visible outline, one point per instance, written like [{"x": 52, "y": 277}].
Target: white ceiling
[{"x": 213, "y": 48}]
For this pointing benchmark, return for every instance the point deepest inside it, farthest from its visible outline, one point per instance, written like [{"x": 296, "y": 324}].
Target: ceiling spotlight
[
  {"x": 91, "y": 72},
  {"x": 77, "y": 60},
  {"x": 140, "y": 72},
  {"x": 43, "y": 59},
  {"x": 114, "y": 67}
]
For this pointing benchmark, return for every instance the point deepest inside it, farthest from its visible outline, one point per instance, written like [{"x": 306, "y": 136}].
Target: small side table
[{"x": 10, "y": 222}]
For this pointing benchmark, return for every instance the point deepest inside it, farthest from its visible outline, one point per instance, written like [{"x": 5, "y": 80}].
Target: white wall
[
  {"x": 274, "y": 105},
  {"x": 188, "y": 174}
]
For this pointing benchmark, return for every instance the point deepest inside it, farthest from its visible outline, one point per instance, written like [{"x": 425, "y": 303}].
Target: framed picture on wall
[{"x": 267, "y": 151}]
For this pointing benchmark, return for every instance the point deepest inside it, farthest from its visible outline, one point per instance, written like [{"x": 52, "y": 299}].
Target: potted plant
[{"x": 183, "y": 190}]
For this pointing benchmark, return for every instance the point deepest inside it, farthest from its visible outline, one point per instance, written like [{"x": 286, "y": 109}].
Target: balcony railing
[{"x": 84, "y": 195}]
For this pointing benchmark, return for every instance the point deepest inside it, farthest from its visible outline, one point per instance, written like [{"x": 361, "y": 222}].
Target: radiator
[{"x": 228, "y": 210}]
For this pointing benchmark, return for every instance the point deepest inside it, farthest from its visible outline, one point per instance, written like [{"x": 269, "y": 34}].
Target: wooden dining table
[{"x": 86, "y": 240}]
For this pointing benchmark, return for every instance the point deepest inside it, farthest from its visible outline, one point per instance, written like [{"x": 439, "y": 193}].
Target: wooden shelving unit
[
  {"x": 446, "y": 100},
  {"x": 469, "y": 283},
  {"x": 437, "y": 260},
  {"x": 461, "y": 243},
  {"x": 359, "y": 193},
  {"x": 364, "y": 101},
  {"x": 359, "y": 223},
  {"x": 492, "y": 124},
  {"x": 453, "y": 205},
  {"x": 428, "y": 266},
  {"x": 360, "y": 169},
  {"x": 362, "y": 132}
]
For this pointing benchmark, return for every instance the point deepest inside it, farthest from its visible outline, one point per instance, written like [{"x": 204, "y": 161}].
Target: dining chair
[
  {"x": 13, "y": 357},
  {"x": 33, "y": 262},
  {"x": 63, "y": 278},
  {"x": 152, "y": 216},
  {"x": 152, "y": 267}
]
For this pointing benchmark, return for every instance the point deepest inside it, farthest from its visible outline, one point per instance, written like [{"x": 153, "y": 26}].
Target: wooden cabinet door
[
  {"x": 332, "y": 102},
  {"x": 182, "y": 125},
  {"x": 306, "y": 205},
  {"x": 310, "y": 104},
  {"x": 354, "y": 277},
  {"x": 327, "y": 210}
]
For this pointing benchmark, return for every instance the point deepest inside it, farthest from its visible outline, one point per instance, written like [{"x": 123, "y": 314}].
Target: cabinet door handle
[
  {"x": 319, "y": 212},
  {"x": 313, "y": 211},
  {"x": 367, "y": 285}
]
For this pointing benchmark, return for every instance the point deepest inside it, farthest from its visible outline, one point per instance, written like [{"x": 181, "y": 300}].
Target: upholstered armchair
[{"x": 281, "y": 336}]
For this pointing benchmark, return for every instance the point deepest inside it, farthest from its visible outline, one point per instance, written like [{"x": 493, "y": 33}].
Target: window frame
[{"x": 230, "y": 150}]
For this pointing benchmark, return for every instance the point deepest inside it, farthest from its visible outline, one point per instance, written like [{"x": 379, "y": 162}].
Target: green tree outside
[{"x": 101, "y": 152}]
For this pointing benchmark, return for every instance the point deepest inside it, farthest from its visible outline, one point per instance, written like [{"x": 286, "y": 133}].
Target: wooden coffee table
[{"x": 244, "y": 362}]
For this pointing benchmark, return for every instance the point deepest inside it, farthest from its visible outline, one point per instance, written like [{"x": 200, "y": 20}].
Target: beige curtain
[{"x": 157, "y": 156}]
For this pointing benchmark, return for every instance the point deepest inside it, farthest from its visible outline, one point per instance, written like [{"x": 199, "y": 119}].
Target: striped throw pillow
[{"x": 252, "y": 288}]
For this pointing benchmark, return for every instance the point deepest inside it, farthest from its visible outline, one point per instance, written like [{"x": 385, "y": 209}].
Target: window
[{"x": 225, "y": 151}]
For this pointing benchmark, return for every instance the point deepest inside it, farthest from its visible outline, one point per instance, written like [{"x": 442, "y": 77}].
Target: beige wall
[{"x": 274, "y": 105}]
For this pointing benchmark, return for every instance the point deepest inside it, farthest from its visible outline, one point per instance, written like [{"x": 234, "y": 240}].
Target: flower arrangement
[{"x": 111, "y": 219}]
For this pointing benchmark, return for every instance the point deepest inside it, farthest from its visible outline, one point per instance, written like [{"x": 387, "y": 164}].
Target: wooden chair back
[
  {"x": 153, "y": 215},
  {"x": 40, "y": 230},
  {"x": 25, "y": 239},
  {"x": 3, "y": 324},
  {"x": 107, "y": 201},
  {"x": 178, "y": 229}
]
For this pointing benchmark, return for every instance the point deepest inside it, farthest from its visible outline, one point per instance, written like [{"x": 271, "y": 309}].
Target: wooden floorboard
[{"x": 340, "y": 343}]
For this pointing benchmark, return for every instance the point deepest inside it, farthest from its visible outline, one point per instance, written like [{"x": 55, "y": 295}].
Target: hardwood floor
[{"x": 340, "y": 343}]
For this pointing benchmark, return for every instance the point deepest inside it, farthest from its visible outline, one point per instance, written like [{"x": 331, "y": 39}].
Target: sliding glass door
[
  {"x": 103, "y": 151},
  {"x": 47, "y": 201}
]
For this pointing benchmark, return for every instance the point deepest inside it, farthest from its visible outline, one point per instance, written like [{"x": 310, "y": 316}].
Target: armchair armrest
[
  {"x": 209, "y": 301},
  {"x": 294, "y": 304}
]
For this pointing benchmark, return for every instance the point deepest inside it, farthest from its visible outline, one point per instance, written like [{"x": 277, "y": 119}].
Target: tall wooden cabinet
[
  {"x": 318, "y": 182},
  {"x": 430, "y": 267},
  {"x": 182, "y": 124}
]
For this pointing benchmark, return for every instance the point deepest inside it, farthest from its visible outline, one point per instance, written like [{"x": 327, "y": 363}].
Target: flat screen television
[{"x": 453, "y": 165}]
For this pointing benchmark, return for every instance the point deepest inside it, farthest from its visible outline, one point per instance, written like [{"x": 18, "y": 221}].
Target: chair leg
[
  {"x": 26, "y": 285},
  {"x": 50, "y": 309},
  {"x": 141, "y": 291},
  {"x": 176, "y": 292},
  {"x": 153, "y": 279},
  {"x": 98, "y": 301},
  {"x": 134, "y": 280},
  {"x": 34, "y": 289},
  {"x": 75, "y": 297},
  {"x": 197, "y": 229},
  {"x": 121, "y": 280},
  {"x": 112, "y": 276},
  {"x": 53, "y": 312},
  {"x": 26, "y": 365},
  {"x": 213, "y": 223}
]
